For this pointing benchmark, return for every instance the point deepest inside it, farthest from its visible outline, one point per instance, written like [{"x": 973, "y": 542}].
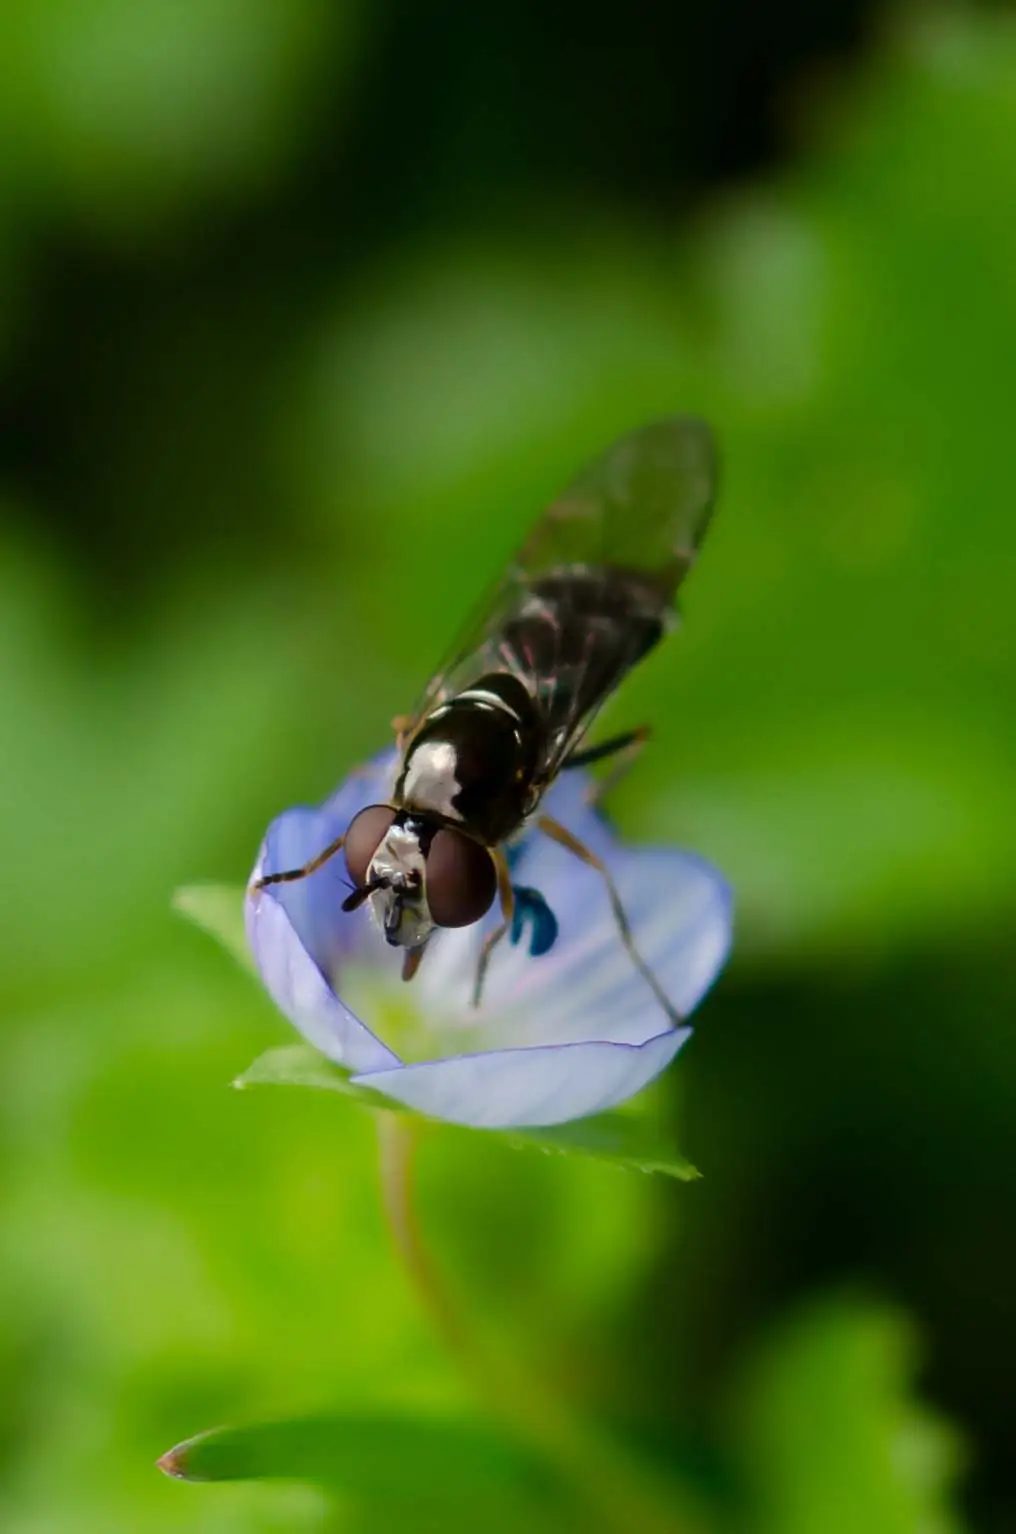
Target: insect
[{"x": 589, "y": 594}]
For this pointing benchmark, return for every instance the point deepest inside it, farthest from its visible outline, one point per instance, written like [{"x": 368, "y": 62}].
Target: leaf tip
[{"x": 171, "y": 1463}]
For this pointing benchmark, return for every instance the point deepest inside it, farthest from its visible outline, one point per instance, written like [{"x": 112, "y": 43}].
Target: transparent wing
[
  {"x": 643, "y": 505},
  {"x": 592, "y": 589}
]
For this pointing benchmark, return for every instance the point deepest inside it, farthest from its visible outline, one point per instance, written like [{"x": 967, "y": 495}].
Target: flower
[{"x": 558, "y": 1036}]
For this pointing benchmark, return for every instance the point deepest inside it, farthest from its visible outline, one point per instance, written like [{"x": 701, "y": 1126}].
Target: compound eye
[
  {"x": 363, "y": 839},
  {"x": 461, "y": 882}
]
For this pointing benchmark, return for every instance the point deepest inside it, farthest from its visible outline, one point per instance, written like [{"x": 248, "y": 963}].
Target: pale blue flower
[{"x": 557, "y": 1036}]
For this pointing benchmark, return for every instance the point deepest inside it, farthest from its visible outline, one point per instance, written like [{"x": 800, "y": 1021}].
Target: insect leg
[
  {"x": 506, "y": 895},
  {"x": 558, "y": 833},
  {"x": 625, "y": 747},
  {"x": 301, "y": 873}
]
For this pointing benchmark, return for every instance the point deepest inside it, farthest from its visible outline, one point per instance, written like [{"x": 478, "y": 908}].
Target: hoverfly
[{"x": 588, "y": 596}]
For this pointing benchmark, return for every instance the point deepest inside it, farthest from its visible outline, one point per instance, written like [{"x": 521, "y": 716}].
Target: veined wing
[
  {"x": 592, "y": 589},
  {"x": 643, "y": 505}
]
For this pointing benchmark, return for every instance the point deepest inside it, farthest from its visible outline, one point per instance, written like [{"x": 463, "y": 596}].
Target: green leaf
[
  {"x": 218, "y": 910},
  {"x": 424, "y": 1469},
  {"x": 829, "y": 1435},
  {"x": 299, "y": 1065},
  {"x": 622, "y": 1139}
]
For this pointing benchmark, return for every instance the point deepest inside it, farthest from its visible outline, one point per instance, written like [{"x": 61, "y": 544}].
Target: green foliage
[
  {"x": 91, "y": 94},
  {"x": 825, "y": 1438},
  {"x": 218, "y": 910},
  {"x": 298, "y": 1065},
  {"x": 386, "y": 1468},
  {"x": 828, "y": 1437},
  {"x": 619, "y": 1138}
]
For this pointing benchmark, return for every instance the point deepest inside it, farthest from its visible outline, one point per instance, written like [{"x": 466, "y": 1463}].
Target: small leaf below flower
[
  {"x": 623, "y": 1139},
  {"x": 218, "y": 910},
  {"x": 298, "y": 1065}
]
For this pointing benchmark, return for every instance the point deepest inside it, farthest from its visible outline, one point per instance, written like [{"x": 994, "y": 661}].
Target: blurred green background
[{"x": 305, "y": 309}]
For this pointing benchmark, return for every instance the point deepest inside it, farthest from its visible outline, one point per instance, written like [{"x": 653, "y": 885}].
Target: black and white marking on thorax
[
  {"x": 430, "y": 781},
  {"x": 471, "y": 762}
]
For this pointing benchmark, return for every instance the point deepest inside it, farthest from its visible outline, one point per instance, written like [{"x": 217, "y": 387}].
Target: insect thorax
[{"x": 473, "y": 760}]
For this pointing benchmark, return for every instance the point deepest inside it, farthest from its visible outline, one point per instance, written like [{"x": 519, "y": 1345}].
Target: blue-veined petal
[
  {"x": 300, "y": 990},
  {"x": 586, "y": 987},
  {"x": 314, "y": 904},
  {"x": 299, "y": 934},
  {"x": 513, "y": 1088}
]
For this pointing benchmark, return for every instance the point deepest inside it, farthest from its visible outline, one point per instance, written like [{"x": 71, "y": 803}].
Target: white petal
[
  {"x": 300, "y": 990},
  {"x": 514, "y": 1088},
  {"x": 587, "y": 988}
]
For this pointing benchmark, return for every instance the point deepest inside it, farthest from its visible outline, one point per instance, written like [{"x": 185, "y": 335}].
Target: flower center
[
  {"x": 404, "y": 1016},
  {"x": 389, "y": 1010}
]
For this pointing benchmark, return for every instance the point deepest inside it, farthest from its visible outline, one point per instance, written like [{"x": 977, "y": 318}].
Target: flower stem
[{"x": 621, "y": 1495}]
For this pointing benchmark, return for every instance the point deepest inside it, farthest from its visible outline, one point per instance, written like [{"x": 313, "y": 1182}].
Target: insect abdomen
[{"x": 584, "y": 630}]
